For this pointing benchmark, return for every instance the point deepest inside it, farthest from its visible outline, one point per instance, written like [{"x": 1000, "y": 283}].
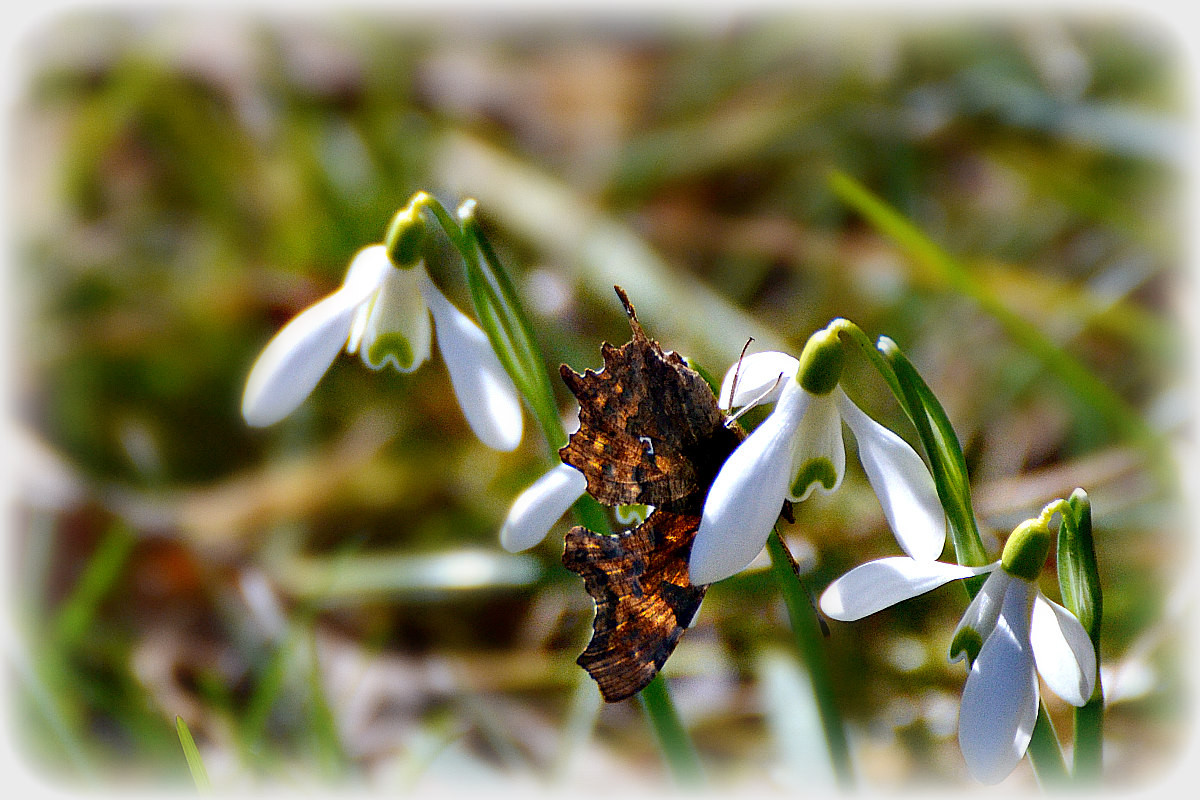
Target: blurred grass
[
  {"x": 326, "y": 601},
  {"x": 194, "y": 761}
]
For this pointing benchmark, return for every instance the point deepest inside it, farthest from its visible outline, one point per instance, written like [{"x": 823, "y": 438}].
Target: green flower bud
[
  {"x": 405, "y": 235},
  {"x": 821, "y": 362},
  {"x": 1026, "y": 550},
  {"x": 1078, "y": 575}
]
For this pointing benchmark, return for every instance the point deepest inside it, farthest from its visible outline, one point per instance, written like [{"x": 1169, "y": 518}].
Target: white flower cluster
[{"x": 1010, "y": 631}]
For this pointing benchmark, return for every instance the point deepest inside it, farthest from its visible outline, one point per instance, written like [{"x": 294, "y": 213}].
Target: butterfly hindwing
[{"x": 644, "y": 600}]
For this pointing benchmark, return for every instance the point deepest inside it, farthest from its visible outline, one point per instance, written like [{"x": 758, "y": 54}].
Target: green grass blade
[
  {"x": 322, "y": 726},
  {"x": 77, "y": 612},
  {"x": 192, "y": 754},
  {"x": 1074, "y": 376}
]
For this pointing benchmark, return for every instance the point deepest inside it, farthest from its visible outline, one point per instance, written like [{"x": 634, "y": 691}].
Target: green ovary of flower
[
  {"x": 817, "y": 470},
  {"x": 405, "y": 236},
  {"x": 394, "y": 344},
  {"x": 1026, "y": 550},
  {"x": 821, "y": 363}
]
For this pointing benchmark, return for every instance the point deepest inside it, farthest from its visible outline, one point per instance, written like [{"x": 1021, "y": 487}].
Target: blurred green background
[{"x": 326, "y": 601}]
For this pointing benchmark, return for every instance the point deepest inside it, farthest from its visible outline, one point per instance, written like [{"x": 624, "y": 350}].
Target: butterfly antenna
[
  {"x": 737, "y": 373},
  {"x": 733, "y": 417}
]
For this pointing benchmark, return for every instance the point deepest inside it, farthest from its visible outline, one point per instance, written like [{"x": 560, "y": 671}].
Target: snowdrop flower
[
  {"x": 381, "y": 312},
  {"x": 799, "y": 449},
  {"x": 537, "y": 508},
  {"x": 1009, "y": 633}
]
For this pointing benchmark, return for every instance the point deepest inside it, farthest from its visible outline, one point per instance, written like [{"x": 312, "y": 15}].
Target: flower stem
[
  {"x": 809, "y": 647},
  {"x": 678, "y": 751},
  {"x": 1089, "y": 738},
  {"x": 500, "y": 314},
  {"x": 1044, "y": 753},
  {"x": 946, "y": 462}
]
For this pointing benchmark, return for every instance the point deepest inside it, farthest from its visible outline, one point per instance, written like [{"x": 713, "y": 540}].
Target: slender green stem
[
  {"x": 809, "y": 647},
  {"x": 941, "y": 444},
  {"x": 496, "y": 300},
  {"x": 947, "y": 464},
  {"x": 678, "y": 751},
  {"x": 1045, "y": 754},
  {"x": 501, "y": 315},
  {"x": 520, "y": 330},
  {"x": 1089, "y": 738}
]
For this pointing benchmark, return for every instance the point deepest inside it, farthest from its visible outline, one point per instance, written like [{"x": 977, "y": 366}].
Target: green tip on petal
[
  {"x": 966, "y": 642},
  {"x": 393, "y": 344},
  {"x": 1026, "y": 550},
  {"x": 821, "y": 363},
  {"x": 405, "y": 235},
  {"x": 816, "y": 471}
]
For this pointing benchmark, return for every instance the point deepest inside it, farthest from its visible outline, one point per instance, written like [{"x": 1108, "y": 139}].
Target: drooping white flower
[
  {"x": 537, "y": 508},
  {"x": 382, "y": 313},
  {"x": 799, "y": 449},
  {"x": 1010, "y": 633}
]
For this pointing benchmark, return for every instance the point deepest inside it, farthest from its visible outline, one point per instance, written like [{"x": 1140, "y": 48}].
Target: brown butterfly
[{"x": 650, "y": 432}]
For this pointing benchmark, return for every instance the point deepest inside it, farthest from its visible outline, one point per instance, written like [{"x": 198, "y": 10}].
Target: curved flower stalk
[
  {"x": 799, "y": 449},
  {"x": 1009, "y": 634},
  {"x": 381, "y": 312}
]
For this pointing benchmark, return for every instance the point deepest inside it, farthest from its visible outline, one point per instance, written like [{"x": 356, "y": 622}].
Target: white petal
[
  {"x": 878, "y": 584},
  {"x": 397, "y": 330},
  {"x": 485, "y": 392},
  {"x": 745, "y": 499},
  {"x": 983, "y": 610},
  {"x": 820, "y": 453},
  {"x": 541, "y": 505},
  {"x": 1063, "y": 651},
  {"x": 1000, "y": 701},
  {"x": 901, "y": 482},
  {"x": 760, "y": 376},
  {"x": 366, "y": 273},
  {"x": 293, "y": 361}
]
